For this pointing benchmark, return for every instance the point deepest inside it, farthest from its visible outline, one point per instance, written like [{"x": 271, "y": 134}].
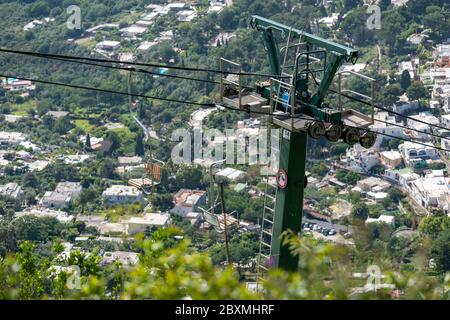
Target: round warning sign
[{"x": 282, "y": 178}]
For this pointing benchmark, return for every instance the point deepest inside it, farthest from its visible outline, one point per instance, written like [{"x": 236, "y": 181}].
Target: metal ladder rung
[
  {"x": 270, "y": 197},
  {"x": 264, "y": 268},
  {"x": 270, "y": 209},
  {"x": 267, "y": 220},
  {"x": 264, "y": 256},
  {"x": 261, "y": 278},
  {"x": 266, "y": 244},
  {"x": 267, "y": 232}
]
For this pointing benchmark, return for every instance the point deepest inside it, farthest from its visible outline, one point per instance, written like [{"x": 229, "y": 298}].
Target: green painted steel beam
[
  {"x": 289, "y": 201},
  {"x": 330, "y": 70},
  {"x": 272, "y": 50},
  {"x": 260, "y": 23}
]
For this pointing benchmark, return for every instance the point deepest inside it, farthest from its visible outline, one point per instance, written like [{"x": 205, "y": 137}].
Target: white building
[
  {"x": 140, "y": 224},
  {"x": 102, "y": 26},
  {"x": 403, "y": 177},
  {"x": 412, "y": 152},
  {"x": 57, "y": 114},
  {"x": 187, "y": 201},
  {"x": 125, "y": 258},
  {"x": 186, "y": 15},
  {"x": 75, "y": 158},
  {"x": 38, "y": 165},
  {"x": 37, "y": 23},
  {"x": 125, "y": 161},
  {"x": 222, "y": 38},
  {"x": 145, "y": 45},
  {"x": 127, "y": 57},
  {"x": 133, "y": 31},
  {"x": 424, "y": 128},
  {"x": 391, "y": 159},
  {"x": 15, "y": 85},
  {"x": 108, "y": 45},
  {"x": 122, "y": 194},
  {"x": 12, "y": 138},
  {"x": 216, "y": 7},
  {"x": 382, "y": 219},
  {"x": 63, "y": 195},
  {"x": 230, "y": 174},
  {"x": 431, "y": 192},
  {"x": 373, "y": 184},
  {"x": 165, "y": 35},
  {"x": 12, "y": 190},
  {"x": 407, "y": 65},
  {"x": 144, "y": 23},
  {"x": 61, "y": 216},
  {"x": 199, "y": 115},
  {"x": 403, "y": 105},
  {"x": 360, "y": 160},
  {"x": 330, "y": 21},
  {"x": 176, "y": 6},
  {"x": 445, "y": 120},
  {"x": 386, "y": 124}
]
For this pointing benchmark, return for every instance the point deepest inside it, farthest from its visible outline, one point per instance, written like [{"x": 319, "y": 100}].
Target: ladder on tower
[{"x": 265, "y": 255}]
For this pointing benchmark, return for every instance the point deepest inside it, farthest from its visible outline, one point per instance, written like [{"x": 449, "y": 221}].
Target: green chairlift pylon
[{"x": 294, "y": 101}]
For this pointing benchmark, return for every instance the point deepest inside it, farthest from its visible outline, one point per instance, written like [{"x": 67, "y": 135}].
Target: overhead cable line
[
  {"x": 82, "y": 60},
  {"x": 390, "y": 111},
  {"x": 152, "y": 65},
  {"x": 133, "y": 69},
  {"x": 108, "y": 91},
  {"x": 200, "y": 104},
  {"x": 364, "y": 129}
]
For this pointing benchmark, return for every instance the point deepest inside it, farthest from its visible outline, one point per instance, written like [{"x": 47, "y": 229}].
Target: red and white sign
[{"x": 282, "y": 178}]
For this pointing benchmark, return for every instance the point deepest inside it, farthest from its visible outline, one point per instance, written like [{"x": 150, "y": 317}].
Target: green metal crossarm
[
  {"x": 260, "y": 23},
  {"x": 330, "y": 70}
]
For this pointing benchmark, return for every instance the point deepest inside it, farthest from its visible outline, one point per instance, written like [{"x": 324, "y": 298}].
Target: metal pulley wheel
[
  {"x": 316, "y": 129},
  {"x": 367, "y": 139},
  {"x": 333, "y": 132},
  {"x": 350, "y": 135}
]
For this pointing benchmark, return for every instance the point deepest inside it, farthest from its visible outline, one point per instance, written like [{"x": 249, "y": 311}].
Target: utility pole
[
  {"x": 212, "y": 183},
  {"x": 222, "y": 198}
]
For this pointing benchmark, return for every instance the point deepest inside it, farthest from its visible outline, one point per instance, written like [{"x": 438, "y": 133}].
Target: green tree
[
  {"x": 112, "y": 142},
  {"x": 141, "y": 111},
  {"x": 417, "y": 91},
  {"x": 434, "y": 225},
  {"x": 405, "y": 80},
  {"x": 440, "y": 251},
  {"x": 107, "y": 167},
  {"x": 387, "y": 202},
  {"x": 359, "y": 213},
  {"x": 31, "y": 282},
  {"x": 395, "y": 194},
  {"x": 189, "y": 177},
  {"x": 88, "y": 142},
  {"x": 36, "y": 228},
  {"x": 88, "y": 195},
  {"x": 39, "y": 9},
  {"x": 162, "y": 202},
  {"x": 389, "y": 94},
  {"x": 139, "y": 146},
  {"x": 8, "y": 241}
]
